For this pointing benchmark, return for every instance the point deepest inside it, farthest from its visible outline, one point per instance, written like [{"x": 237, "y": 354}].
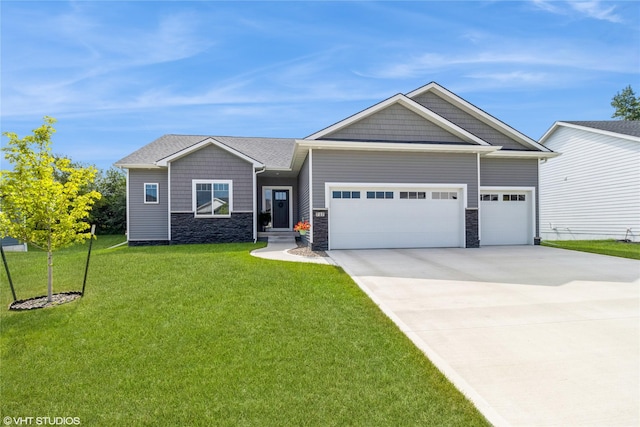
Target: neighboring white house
[
  {"x": 10, "y": 244},
  {"x": 592, "y": 191}
]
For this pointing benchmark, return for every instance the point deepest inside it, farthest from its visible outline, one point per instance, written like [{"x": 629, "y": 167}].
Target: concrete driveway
[{"x": 534, "y": 336}]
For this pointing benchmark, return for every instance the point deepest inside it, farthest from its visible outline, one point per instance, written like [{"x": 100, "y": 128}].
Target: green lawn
[
  {"x": 209, "y": 335},
  {"x": 604, "y": 247}
]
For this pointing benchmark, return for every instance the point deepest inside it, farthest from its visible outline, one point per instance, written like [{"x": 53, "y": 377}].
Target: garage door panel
[
  {"x": 395, "y": 223},
  {"x": 388, "y": 239},
  {"x": 505, "y": 221}
]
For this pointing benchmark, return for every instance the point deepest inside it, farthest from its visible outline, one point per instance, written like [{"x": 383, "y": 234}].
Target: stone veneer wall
[
  {"x": 320, "y": 230},
  {"x": 472, "y": 239},
  {"x": 185, "y": 228}
]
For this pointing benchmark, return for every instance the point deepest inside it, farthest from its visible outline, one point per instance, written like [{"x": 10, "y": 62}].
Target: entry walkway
[{"x": 278, "y": 249}]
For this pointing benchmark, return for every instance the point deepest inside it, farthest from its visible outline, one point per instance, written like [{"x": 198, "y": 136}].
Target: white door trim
[{"x": 264, "y": 202}]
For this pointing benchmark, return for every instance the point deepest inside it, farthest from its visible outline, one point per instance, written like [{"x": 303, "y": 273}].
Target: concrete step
[
  {"x": 282, "y": 239},
  {"x": 277, "y": 233}
]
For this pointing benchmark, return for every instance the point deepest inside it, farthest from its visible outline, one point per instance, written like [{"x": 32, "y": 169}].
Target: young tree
[
  {"x": 627, "y": 105},
  {"x": 36, "y": 207}
]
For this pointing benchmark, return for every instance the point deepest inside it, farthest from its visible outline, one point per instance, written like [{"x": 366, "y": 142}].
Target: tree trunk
[{"x": 50, "y": 271}]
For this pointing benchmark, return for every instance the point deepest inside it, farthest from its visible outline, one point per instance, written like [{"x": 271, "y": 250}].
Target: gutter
[{"x": 397, "y": 146}]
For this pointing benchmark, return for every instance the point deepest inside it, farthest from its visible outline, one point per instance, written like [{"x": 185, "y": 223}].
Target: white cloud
[
  {"x": 513, "y": 78},
  {"x": 590, "y": 9},
  {"x": 540, "y": 57},
  {"x": 594, "y": 9}
]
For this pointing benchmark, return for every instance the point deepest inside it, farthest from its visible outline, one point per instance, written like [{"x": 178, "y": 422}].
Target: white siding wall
[{"x": 592, "y": 191}]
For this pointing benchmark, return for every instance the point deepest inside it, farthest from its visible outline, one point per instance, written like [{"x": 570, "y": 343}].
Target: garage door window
[
  {"x": 444, "y": 195},
  {"x": 489, "y": 197},
  {"x": 413, "y": 195},
  {"x": 513, "y": 198},
  {"x": 346, "y": 194},
  {"x": 379, "y": 194}
]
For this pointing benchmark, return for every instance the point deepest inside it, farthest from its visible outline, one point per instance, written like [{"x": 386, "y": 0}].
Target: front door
[{"x": 280, "y": 209}]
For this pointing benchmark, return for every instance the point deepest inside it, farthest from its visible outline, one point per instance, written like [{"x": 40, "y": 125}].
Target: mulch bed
[
  {"x": 303, "y": 250},
  {"x": 41, "y": 302}
]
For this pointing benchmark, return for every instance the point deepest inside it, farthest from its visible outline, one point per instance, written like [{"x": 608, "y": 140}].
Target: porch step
[
  {"x": 278, "y": 236},
  {"x": 282, "y": 239}
]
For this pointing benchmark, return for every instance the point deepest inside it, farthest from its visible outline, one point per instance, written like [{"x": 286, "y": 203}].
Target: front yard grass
[
  {"x": 603, "y": 247},
  {"x": 209, "y": 335}
]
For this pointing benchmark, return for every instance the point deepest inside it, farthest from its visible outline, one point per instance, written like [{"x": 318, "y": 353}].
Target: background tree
[
  {"x": 36, "y": 207},
  {"x": 627, "y": 105},
  {"x": 110, "y": 212}
]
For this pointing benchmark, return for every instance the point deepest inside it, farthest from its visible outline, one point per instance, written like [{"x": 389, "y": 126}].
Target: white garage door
[
  {"x": 367, "y": 218},
  {"x": 506, "y": 217}
]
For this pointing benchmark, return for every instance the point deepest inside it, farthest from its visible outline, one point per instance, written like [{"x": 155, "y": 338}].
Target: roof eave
[
  {"x": 524, "y": 154},
  {"x": 137, "y": 166},
  {"x": 395, "y": 146}
]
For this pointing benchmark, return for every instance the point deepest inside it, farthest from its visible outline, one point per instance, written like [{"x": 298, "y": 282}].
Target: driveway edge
[{"x": 481, "y": 404}]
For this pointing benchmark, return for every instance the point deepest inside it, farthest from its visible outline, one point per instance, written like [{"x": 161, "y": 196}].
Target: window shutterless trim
[
  {"x": 213, "y": 183},
  {"x": 147, "y": 202}
]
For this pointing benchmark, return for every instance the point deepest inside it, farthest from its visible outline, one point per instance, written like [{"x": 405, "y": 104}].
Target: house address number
[{"x": 320, "y": 214}]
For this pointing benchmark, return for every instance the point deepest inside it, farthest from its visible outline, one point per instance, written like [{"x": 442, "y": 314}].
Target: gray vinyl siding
[
  {"x": 511, "y": 173},
  {"x": 467, "y": 121},
  {"x": 394, "y": 123},
  {"x": 303, "y": 191},
  {"x": 148, "y": 221},
  {"x": 496, "y": 172},
  {"x": 389, "y": 167},
  {"x": 211, "y": 162}
]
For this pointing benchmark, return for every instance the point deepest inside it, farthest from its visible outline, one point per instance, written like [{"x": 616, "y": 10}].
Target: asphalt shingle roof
[
  {"x": 272, "y": 152},
  {"x": 624, "y": 127}
]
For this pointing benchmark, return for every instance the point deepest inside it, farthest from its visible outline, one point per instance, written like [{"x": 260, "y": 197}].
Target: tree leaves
[
  {"x": 35, "y": 206},
  {"x": 627, "y": 105}
]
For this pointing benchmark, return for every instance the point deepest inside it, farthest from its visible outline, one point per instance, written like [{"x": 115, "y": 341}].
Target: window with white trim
[
  {"x": 151, "y": 195},
  {"x": 212, "y": 198}
]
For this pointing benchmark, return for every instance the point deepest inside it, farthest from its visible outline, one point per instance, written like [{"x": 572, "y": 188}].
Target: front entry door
[{"x": 280, "y": 209}]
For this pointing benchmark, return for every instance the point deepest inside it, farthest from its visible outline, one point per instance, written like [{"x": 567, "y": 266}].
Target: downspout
[
  {"x": 127, "y": 205},
  {"x": 255, "y": 203},
  {"x": 310, "y": 238},
  {"x": 479, "y": 198},
  {"x": 168, "y": 202}
]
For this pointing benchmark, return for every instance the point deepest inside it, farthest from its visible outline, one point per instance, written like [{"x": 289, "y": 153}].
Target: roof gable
[
  {"x": 394, "y": 123},
  {"x": 274, "y": 153},
  {"x": 626, "y": 129},
  {"x": 205, "y": 143},
  {"x": 472, "y": 118},
  {"x": 433, "y": 119}
]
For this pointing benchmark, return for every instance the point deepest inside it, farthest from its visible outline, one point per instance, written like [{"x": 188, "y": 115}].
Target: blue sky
[{"x": 119, "y": 74}]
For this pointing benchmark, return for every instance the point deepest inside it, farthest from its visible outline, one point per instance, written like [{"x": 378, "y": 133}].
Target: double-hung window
[
  {"x": 151, "y": 193},
  {"x": 212, "y": 198}
]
